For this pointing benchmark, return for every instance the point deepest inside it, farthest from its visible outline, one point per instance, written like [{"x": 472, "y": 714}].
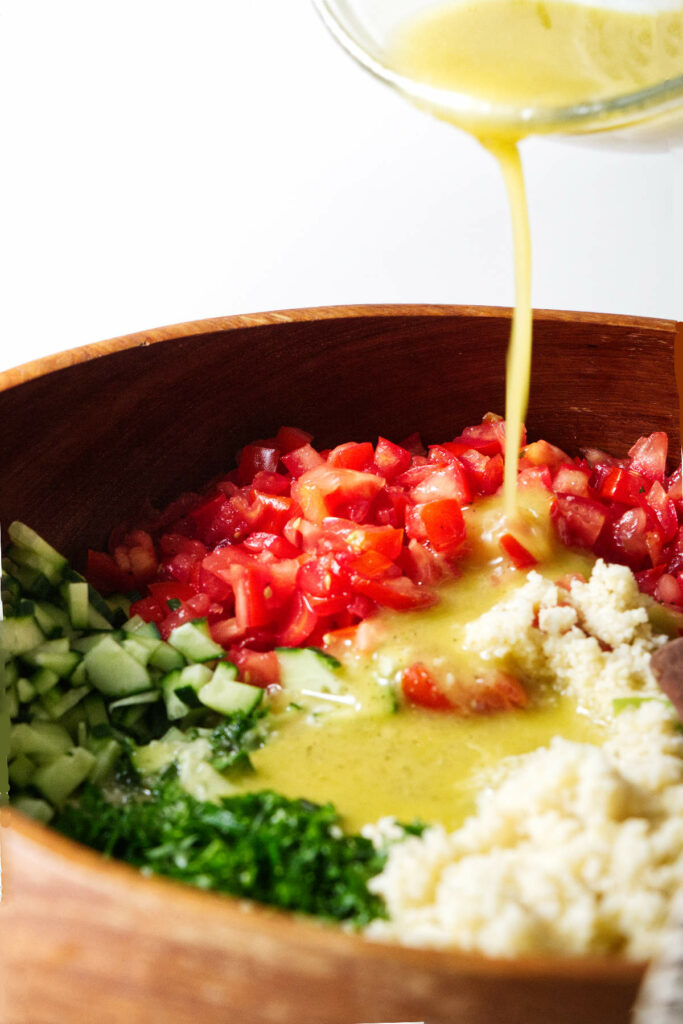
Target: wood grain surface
[{"x": 90, "y": 436}]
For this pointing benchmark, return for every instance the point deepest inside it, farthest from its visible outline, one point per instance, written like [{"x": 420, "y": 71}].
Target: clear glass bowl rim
[{"x": 621, "y": 110}]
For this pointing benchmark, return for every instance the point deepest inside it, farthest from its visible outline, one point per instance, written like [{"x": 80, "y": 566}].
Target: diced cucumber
[
  {"x": 39, "y": 810},
  {"x": 166, "y": 658},
  {"x": 55, "y": 655},
  {"x": 26, "y": 691},
  {"x": 95, "y": 710},
  {"x": 42, "y": 741},
  {"x": 193, "y": 640},
  {"x": 140, "y": 647},
  {"x": 181, "y": 688},
  {"x": 21, "y": 771},
  {"x": 79, "y": 676},
  {"x": 107, "y": 753},
  {"x": 146, "y": 697},
  {"x": 57, "y": 704},
  {"x": 113, "y": 671},
  {"x": 9, "y": 671},
  {"x": 52, "y": 620},
  {"x": 32, "y": 550},
  {"x": 224, "y": 694},
  {"x": 95, "y": 599},
  {"x": 30, "y": 581},
  {"x": 88, "y": 640},
  {"x": 19, "y": 635},
  {"x": 58, "y": 780},
  {"x": 138, "y": 626},
  {"x": 76, "y": 595}
]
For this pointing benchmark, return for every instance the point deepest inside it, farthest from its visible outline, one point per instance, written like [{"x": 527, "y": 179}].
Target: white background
[{"x": 167, "y": 161}]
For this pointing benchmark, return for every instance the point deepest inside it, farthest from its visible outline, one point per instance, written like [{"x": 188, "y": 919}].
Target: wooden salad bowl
[{"x": 87, "y": 437}]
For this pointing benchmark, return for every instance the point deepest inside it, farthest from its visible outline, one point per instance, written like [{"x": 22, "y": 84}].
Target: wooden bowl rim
[
  {"x": 291, "y": 929},
  {"x": 280, "y": 924},
  {"x": 212, "y": 325}
]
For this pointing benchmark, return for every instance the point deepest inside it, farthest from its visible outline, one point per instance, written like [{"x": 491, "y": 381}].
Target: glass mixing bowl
[{"x": 363, "y": 28}]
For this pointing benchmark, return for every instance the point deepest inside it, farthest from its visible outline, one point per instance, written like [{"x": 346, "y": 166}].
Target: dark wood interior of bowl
[{"x": 86, "y": 445}]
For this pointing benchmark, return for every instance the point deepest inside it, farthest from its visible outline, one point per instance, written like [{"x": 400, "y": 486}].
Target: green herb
[
  {"x": 232, "y": 740},
  {"x": 173, "y": 603},
  {"x": 261, "y": 846}
]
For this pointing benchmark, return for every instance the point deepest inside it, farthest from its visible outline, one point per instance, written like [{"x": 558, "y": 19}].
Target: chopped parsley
[{"x": 262, "y": 846}]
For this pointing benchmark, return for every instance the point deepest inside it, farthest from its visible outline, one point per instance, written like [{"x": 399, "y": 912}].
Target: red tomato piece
[
  {"x": 325, "y": 590},
  {"x": 648, "y": 456},
  {"x": 297, "y": 624},
  {"x": 579, "y": 520},
  {"x": 568, "y": 479},
  {"x": 520, "y": 557},
  {"x": 391, "y": 459},
  {"x": 288, "y": 439},
  {"x": 352, "y": 455},
  {"x": 494, "y": 692},
  {"x": 400, "y": 593},
  {"x": 149, "y": 609},
  {"x": 419, "y": 687},
  {"x": 386, "y": 540},
  {"x": 103, "y": 573},
  {"x": 439, "y": 522},
  {"x": 271, "y": 511},
  {"x": 448, "y": 481},
  {"x": 257, "y": 458},
  {"x": 258, "y": 668},
  {"x": 302, "y": 459},
  {"x": 542, "y": 453},
  {"x": 334, "y": 491},
  {"x": 251, "y": 606},
  {"x": 664, "y": 510},
  {"x": 623, "y": 486}
]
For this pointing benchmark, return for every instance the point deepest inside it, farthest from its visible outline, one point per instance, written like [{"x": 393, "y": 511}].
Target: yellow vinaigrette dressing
[{"x": 382, "y": 759}]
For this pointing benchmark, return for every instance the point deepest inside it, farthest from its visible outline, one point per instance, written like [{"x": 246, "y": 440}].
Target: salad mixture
[{"x": 246, "y": 682}]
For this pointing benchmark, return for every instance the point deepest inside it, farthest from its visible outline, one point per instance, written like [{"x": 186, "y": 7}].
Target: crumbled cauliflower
[{"x": 580, "y": 848}]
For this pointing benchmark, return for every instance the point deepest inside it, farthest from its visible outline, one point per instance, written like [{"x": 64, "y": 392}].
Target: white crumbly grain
[{"x": 580, "y": 848}]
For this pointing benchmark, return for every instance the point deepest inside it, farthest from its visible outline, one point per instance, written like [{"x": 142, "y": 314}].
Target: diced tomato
[
  {"x": 419, "y": 687},
  {"x": 496, "y": 691},
  {"x": 413, "y": 444},
  {"x": 439, "y": 522},
  {"x": 331, "y": 491},
  {"x": 668, "y": 590},
  {"x": 648, "y": 456},
  {"x": 520, "y": 557},
  {"x": 400, "y": 593},
  {"x": 288, "y": 439},
  {"x": 484, "y": 472},
  {"x": 298, "y": 623},
  {"x": 204, "y": 514},
  {"x": 251, "y": 606},
  {"x": 271, "y": 483},
  {"x": 255, "y": 459},
  {"x": 373, "y": 565},
  {"x": 568, "y": 479},
  {"x": 579, "y": 520},
  {"x": 258, "y": 668},
  {"x": 542, "y": 453},
  {"x": 448, "y": 481},
  {"x": 172, "y": 591},
  {"x": 385, "y": 539},
  {"x": 136, "y": 555},
  {"x": 299, "y": 460},
  {"x": 271, "y": 511},
  {"x": 325, "y": 588},
  {"x": 105, "y": 575},
  {"x": 623, "y": 486},
  {"x": 352, "y": 455},
  {"x": 390, "y": 459},
  {"x": 664, "y": 509}
]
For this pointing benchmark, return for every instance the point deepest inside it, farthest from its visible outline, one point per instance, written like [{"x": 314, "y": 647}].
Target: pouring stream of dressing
[{"x": 524, "y": 53}]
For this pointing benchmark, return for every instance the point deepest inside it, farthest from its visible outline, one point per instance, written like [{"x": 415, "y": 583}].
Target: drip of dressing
[{"x": 524, "y": 53}]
